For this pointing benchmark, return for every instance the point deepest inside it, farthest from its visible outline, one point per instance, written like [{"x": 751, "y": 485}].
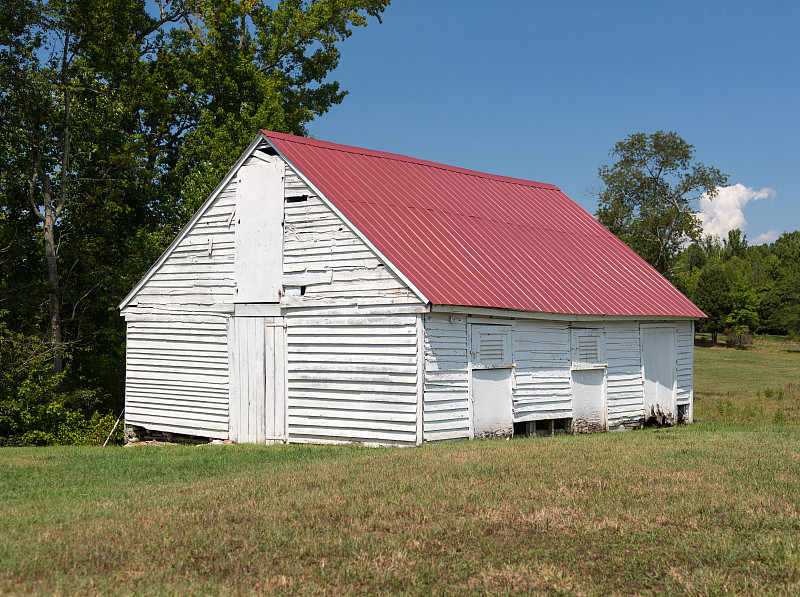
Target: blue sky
[{"x": 543, "y": 90}]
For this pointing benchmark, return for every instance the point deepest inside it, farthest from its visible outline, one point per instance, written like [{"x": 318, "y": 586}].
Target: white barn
[{"x": 326, "y": 293}]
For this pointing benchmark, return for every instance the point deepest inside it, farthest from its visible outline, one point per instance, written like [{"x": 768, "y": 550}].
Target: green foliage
[
  {"x": 743, "y": 319},
  {"x": 712, "y": 295},
  {"x": 34, "y": 407},
  {"x": 129, "y": 113},
  {"x": 747, "y": 289},
  {"x": 650, "y": 192}
]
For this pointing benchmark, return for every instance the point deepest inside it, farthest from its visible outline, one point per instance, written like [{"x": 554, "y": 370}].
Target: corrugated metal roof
[{"x": 473, "y": 239}]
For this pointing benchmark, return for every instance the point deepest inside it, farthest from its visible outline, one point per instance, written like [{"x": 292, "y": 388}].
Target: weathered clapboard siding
[
  {"x": 352, "y": 378},
  {"x": 324, "y": 257},
  {"x": 177, "y": 354},
  {"x": 351, "y": 332},
  {"x": 542, "y": 387},
  {"x": 625, "y": 408},
  {"x": 685, "y": 361},
  {"x": 446, "y": 388},
  {"x": 177, "y": 374},
  {"x": 200, "y": 269}
]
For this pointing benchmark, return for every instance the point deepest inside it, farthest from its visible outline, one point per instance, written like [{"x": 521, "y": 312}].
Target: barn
[{"x": 327, "y": 293}]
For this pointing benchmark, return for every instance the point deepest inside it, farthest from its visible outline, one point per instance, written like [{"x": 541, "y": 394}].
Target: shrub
[{"x": 34, "y": 410}]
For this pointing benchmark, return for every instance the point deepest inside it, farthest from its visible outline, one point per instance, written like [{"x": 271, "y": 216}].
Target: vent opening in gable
[
  {"x": 297, "y": 199},
  {"x": 588, "y": 349}
]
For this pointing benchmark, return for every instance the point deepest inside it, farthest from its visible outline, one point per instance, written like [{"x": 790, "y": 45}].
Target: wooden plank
[
  {"x": 369, "y": 429},
  {"x": 269, "y": 381},
  {"x": 350, "y": 394},
  {"x": 259, "y": 231},
  {"x": 420, "y": 377},
  {"x": 244, "y": 380},
  {"x": 366, "y": 418},
  {"x": 264, "y": 378},
  {"x": 401, "y": 379},
  {"x": 338, "y": 368},
  {"x": 366, "y": 404},
  {"x": 366, "y": 387}
]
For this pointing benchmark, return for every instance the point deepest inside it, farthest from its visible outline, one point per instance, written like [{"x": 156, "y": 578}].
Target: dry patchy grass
[{"x": 706, "y": 509}]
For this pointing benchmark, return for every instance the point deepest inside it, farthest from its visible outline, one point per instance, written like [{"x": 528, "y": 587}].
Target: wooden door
[
  {"x": 588, "y": 380},
  {"x": 658, "y": 372},
  {"x": 588, "y": 400},
  {"x": 257, "y": 389},
  {"x": 492, "y": 414}
]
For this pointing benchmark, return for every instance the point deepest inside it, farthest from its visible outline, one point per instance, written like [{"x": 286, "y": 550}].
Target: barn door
[
  {"x": 491, "y": 381},
  {"x": 658, "y": 372},
  {"x": 588, "y": 380},
  {"x": 257, "y": 396}
]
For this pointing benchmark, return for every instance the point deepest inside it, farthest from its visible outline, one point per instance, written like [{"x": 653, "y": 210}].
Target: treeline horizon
[{"x": 744, "y": 290}]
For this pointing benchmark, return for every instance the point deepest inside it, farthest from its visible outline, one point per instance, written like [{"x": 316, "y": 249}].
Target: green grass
[
  {"x": 707, "y": 509},
  {"x": 698, "y": 510},
  {"x": 758, "y": 385}
]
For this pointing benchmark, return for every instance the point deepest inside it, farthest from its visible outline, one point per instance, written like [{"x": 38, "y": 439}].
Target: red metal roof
[{"x": 473, "y": 239}]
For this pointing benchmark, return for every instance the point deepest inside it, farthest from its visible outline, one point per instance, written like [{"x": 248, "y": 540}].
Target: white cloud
[
  {"x": 767, "y": 237},
  {"x": 724, "y": 212}
]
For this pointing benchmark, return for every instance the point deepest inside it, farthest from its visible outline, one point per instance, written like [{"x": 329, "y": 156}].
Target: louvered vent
[
  {"x": 588, "y": 349},
  {"x": 491, "y": 347}
]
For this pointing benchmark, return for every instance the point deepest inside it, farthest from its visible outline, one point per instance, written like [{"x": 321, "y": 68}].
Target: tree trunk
[{"x": 51, "y": 261}]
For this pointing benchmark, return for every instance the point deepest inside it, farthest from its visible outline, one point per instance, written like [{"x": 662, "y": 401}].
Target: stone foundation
[{"x": 139, "y": 435}]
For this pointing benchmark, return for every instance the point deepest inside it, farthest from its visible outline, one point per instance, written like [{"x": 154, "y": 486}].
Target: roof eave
[{"x": 520, "y": 313}]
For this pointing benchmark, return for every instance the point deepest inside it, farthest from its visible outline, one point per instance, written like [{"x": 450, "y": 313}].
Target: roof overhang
[{"x": 515, "y": 314}]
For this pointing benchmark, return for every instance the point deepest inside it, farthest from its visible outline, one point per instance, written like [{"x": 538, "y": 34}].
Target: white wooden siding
[
  {"x": 352, "y": 378},
  {"x": 624, "y": 390},
  {"x": 542, "y": 388},
  {"x": 352, "y": 370},
  {"x": 177, "y": 374},
  {"x": 329, "y": 260},
  {"x": 446, "y": 412},
  {"x": 200, "y": 269},
  {"x": 685, "y": 361}
]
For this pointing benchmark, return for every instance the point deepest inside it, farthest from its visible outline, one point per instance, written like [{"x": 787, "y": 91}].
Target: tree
[
  {"x": 650, "y": 192},
  {"x": 735, "y": 245},
  {"x": 743, "y": 318},
  {"x": 712, "y": 295},
  {"x": 116, "y": 119}
]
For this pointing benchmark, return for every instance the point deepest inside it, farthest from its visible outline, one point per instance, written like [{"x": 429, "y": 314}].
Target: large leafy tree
[
  {"x": 650, "y": 195},
  {"x": 116, "y": 119}
]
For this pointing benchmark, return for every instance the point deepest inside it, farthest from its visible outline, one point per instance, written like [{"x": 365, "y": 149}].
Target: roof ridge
[{"x": 408, "y": 159}]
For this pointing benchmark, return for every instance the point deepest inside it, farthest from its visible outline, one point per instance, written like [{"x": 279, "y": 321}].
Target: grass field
[
  {"x": 758, "y": 385},
  {"x": 707, "y": 509}
]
